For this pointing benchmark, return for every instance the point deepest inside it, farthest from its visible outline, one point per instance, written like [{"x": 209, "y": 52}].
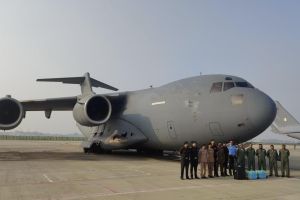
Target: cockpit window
[
  {"x": 243, "y": 84},
  {"x": 228, "y": 85},
  {"x": 216, "y": 87}
]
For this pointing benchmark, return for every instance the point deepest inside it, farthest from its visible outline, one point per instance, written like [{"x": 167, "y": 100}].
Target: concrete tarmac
[{"x": 34, "y": 170}]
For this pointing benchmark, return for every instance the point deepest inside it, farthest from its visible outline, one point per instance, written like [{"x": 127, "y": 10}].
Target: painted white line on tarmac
[
  {"x": 48, "y": 179},
  {"x": 140, "y": 191}
]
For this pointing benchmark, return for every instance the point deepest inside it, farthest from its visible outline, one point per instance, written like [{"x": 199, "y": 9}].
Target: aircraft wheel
[{"x": 86, "y": 150}]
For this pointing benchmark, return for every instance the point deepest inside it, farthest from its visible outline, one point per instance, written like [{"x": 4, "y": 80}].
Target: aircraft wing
[
  {"x": 52, "y": 104},
  {"x": 89, "y": 109},
  {"x": 285, "y": 123},
  {"x": 274, "y": 129}
]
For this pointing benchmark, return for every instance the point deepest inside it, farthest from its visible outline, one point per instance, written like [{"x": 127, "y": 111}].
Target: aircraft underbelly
[{"x": 115, "y": 134}]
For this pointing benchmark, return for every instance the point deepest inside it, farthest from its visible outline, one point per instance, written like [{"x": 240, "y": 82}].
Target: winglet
[{"x": 86, "y": 83}]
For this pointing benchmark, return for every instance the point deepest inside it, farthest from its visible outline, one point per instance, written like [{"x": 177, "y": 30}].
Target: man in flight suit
[
  {"x": 251, "y": 158},
  {"x": 194, "y": 160},
  {"x": 273, "y": 157},
  {"x": 241, "y": 153},
  {"x": 261, "y": 157},
  {"x": 284, "y": 155},
  {"x": 240, "y": 162}
]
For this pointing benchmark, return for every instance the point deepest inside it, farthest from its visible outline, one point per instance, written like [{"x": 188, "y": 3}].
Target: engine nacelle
[
  {"x": 92, "y": 110},
  {"x": 11, "y": 113}
]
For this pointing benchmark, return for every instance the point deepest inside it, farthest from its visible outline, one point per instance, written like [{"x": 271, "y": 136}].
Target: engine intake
[
  {"x": 92, "y": 110},
  {"x": 11, "y": 113}
]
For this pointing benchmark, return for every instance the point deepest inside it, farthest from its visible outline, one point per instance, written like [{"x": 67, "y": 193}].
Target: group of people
[{"x": 223, "y": 159}]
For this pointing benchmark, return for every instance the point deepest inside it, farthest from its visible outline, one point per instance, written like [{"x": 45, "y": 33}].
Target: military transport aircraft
[
  {"x": 200, "y": 108},
  {"x": 285, "y": 123}
]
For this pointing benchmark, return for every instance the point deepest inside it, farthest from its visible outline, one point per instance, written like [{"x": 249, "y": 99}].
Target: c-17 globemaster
[{"x": 201, "y": 108}]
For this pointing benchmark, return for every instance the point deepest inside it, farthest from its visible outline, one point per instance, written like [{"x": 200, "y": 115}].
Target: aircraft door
[{"x": 171, "y": 129}]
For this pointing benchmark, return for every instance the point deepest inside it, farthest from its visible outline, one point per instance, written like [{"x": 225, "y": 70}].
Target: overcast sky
[{"x": 132, "y": 44}]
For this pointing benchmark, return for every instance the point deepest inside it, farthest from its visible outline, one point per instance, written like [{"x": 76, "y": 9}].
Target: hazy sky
[{"x": 132, "y": 44}]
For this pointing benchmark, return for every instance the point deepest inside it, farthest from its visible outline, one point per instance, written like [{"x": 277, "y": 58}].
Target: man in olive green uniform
[
  {"x": 261, "y": 155},
  {"x": 241, "y": 153},
  {"x": 273, "y": 157},
  {"x": 284, "y": 155},
  {"x": 251, "y": 158}
]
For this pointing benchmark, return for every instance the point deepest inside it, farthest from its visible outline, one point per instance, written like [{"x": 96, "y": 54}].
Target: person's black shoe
[
  {"x": 204, "y": 177},
  {"x": 271, "y": 175},
  {"x": 187, "y": 177},
  {"x": 282, "y": 175},
  {"x": 196, "y": 177},
  {"x": 210, "y": 176},
  {"x": 181, "y": 178},
  {"x": 276, "y": 175}
]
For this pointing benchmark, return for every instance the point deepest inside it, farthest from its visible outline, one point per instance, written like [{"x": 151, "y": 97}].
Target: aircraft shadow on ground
[
  {"x": 114, "y": 156},
  {"x": 77, "y": 156}
]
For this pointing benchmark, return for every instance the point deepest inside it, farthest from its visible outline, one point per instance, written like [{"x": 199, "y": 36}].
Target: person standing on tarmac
[
  {"x": 185, "y": 155},
  {"x": 194, "y": 160},
  {"x": 202, "y": 158},
  {"x": 210, "y": 161},
  {"x": 225, "y": 164},
  {"x": 241, "y": 153},
  {"x": 261, "y": 157},
  {"x": 215, "y": 148},
  {"x": 251, "y": 158},
  {"x": 284, "y": 155},
  {"x": 221, "y": 159},
  {"x": 273, "y": 157},
  {"x": 232, "y": 156}
]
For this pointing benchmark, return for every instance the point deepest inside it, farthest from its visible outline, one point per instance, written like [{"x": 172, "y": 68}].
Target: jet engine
[
  {"x": 11, "y": 113},
  {"x": 92, "y": 110}
]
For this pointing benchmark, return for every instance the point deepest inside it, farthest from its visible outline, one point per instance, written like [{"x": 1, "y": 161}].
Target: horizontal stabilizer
[{"x": 84, "y": 81}]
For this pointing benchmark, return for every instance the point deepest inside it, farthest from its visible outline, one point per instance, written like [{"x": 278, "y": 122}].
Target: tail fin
[
  {"x": 86, "y": 83},
  {"x": 284, "y": 118}
]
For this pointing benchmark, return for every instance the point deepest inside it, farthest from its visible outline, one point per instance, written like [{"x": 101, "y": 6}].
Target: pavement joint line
[
  {"x": 48, "y": 179},
  {"x": 140, "y": 191}
]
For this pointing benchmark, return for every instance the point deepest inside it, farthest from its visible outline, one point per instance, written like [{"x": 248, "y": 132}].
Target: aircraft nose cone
[{"x": 261, "y": 110}]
